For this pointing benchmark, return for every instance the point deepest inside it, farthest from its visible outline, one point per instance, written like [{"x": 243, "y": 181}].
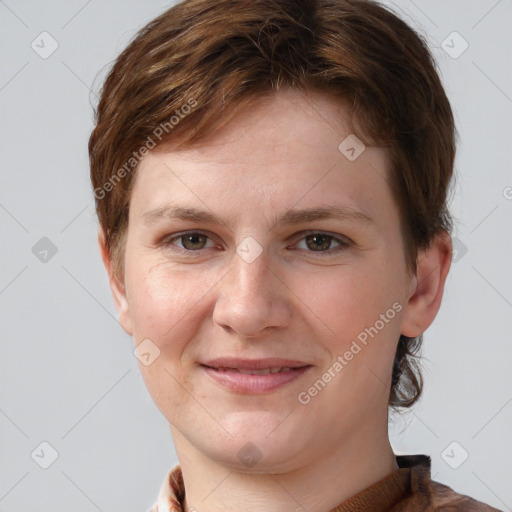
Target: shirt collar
[{"x": 412, "y": 476}]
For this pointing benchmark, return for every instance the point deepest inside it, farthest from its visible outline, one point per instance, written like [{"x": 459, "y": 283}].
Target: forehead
[{"x": 280, "y": 152}]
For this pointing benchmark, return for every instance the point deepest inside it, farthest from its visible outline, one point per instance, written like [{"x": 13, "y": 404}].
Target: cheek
[
  {"x": 164, "y": 307},
  {"x": 349, "y": 299},
  {"x": 164, "y": 303}
]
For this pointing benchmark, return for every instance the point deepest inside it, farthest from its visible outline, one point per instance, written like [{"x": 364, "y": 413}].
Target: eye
[
  {"x": 191, "y": 241},
  {"x": 319, "y": 242}
]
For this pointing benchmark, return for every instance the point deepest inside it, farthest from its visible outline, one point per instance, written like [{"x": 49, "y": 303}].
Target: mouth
[
  {"x": 256, "y": 375},
  {"x": 265, "y": 371}
]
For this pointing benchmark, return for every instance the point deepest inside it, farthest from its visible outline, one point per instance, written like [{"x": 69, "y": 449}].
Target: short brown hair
[{"x": 216, "y": 56}]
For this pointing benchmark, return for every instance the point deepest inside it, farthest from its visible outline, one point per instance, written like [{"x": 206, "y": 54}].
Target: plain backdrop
[{"x": 71, "y": 395}]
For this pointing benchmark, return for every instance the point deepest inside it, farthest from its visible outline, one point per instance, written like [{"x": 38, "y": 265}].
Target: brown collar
[{"x": 412, "y": 477}]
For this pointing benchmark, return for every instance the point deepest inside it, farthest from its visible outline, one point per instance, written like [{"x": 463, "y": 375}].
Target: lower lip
[{"x": 246, "y": 383}]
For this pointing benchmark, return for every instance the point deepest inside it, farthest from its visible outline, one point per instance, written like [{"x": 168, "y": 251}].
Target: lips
[
  {"x": 273, "y": 364},
  {"x": 254, "y": 375}
]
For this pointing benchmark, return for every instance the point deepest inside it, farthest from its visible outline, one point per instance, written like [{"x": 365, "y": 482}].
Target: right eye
[{"x": 192, "y": 241}]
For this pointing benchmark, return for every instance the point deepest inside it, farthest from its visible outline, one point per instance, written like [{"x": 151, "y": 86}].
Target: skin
[{"x": 294, "y": 300}]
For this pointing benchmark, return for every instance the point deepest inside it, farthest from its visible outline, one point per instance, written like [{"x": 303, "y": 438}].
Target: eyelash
[{"x": 344, "y": 242}]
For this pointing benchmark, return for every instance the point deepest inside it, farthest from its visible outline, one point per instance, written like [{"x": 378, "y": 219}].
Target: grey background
[{"x": 68, "y": 374}]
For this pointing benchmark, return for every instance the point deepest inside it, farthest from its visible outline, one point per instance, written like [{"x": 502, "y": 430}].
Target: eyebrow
[{"x": 291, "y": 217}]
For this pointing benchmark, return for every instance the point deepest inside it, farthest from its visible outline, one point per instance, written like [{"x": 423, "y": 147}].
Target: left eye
[
  {"x": 314, "y": 242},
  {"x": 321, "y": 242},
  {"x": 192, "y": 241}
]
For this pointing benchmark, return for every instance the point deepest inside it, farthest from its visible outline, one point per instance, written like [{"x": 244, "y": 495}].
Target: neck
[{"x": 330, "y": 479}]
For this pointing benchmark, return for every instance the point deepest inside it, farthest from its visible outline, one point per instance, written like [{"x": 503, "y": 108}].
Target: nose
[{"x": 252, "y": 298}]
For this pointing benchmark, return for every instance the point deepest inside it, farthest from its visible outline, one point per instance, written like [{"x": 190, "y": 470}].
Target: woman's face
[{"x": 257, "y": 278}]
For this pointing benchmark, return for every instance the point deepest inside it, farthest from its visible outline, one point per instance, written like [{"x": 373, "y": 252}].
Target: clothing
[{"x": 408, "y": 489}]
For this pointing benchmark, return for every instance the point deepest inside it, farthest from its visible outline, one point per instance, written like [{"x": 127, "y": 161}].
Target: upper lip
[{"x": 254, "y": 364}]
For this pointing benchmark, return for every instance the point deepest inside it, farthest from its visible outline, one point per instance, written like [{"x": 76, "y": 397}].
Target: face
[{"x": 256, "y": 271}]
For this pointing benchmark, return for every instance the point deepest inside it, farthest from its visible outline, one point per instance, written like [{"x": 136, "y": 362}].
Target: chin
[
  {"x": 256, "y": 459},
  {"x": 260, "y": 443}
]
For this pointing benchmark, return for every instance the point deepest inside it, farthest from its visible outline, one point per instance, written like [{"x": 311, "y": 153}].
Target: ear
[
  {"x": 427, "y": 286},
  {"x": 118, "y": 288}
]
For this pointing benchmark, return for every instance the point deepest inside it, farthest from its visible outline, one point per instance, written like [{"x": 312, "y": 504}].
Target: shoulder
[
  {"x": 428, "y": 495},
  {"x": 445, "y": 499},
  {"x": 171, "y": 492}
]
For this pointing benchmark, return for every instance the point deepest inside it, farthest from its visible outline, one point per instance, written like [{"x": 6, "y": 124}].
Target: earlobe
[
  {"x": 118, "y": 288},
  {"x": 424, "y": 302}
]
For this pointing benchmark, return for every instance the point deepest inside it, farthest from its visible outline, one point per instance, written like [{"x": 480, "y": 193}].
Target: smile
[{"x": 254, "y": 376}]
